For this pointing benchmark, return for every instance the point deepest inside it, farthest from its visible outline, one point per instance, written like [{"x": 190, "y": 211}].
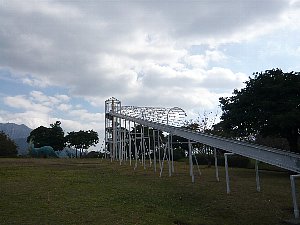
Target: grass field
[{"x": 95, "y": 191}]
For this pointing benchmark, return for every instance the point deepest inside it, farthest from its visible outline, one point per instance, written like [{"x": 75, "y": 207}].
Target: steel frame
[{"x": 170, "y": 120}]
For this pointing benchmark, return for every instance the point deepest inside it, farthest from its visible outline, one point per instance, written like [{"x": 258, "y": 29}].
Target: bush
[
  {"x": 92, "y": 154},
  {"x": 233, "y": 161},
  {"x": 237, "y": 161},
  {"x": 178, "y": 153},
  {"x": 7, "y": 146},
  {"x": 204, "y": 159}
]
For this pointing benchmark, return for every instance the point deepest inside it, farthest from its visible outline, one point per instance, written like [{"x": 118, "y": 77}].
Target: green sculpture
[{"x": 42, "y": 152}]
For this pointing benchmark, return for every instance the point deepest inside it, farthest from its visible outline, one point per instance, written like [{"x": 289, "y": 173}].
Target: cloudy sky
[{"x": 60, "y": 60}]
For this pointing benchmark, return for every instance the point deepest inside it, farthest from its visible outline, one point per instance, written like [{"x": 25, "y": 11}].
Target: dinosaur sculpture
[{"x": 42, "y": 152}]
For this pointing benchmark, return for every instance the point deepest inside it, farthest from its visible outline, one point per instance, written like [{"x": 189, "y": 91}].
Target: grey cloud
[
  {"x": 208, "y": 18},
  {"x": 67, "y": 49}
]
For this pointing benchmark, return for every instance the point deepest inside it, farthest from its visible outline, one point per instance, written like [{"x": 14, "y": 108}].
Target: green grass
[{"x": 95, "y": 191}]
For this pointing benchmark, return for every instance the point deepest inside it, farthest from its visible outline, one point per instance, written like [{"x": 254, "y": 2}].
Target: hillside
[{"x": 18, "y": 133}]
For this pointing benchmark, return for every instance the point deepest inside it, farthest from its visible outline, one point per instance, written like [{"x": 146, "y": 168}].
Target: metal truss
[
  {"x": 171, "y": 116},
  {"x": 119, "y": 138},
  {"x": 279, "y": 158}
]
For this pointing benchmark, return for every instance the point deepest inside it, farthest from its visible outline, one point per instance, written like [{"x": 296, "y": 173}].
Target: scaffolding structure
[
  {"x": 125, "y": 139},
  {"x": 136, "y": 133}
]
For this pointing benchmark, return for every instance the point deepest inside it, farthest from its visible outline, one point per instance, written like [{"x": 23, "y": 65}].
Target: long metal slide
[{"x": 279, "y": 158}]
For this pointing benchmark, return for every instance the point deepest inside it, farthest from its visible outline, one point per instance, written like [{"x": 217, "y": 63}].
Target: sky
[{"x": 60, "y": 60}]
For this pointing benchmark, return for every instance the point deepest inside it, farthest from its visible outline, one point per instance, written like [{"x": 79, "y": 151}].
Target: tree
[
  {"x": 269, "y": 105},
  {"x": 7, "y": 146},
  {"x": 44, "y": 136},
  {"x": 82, "y": 140}
]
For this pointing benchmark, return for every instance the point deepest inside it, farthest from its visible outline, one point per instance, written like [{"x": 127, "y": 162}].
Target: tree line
[{"x": 53, "y": 136}]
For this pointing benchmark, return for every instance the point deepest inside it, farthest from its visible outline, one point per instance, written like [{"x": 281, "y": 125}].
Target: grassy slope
[{"x": 60, "y": 191}]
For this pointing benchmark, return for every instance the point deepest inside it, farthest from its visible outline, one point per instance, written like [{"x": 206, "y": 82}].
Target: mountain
[{"x": 19, "y": 134}]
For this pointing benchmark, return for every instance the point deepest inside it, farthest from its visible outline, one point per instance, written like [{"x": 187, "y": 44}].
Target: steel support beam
[
  {"x": 294, "y": 195},
  {"x": 226, "y": 171},
  {"x": 279, "y": 158},
  {"x": 257, "y": 176},
  {"x": 191, "y": 162},
  {"x": 216, "y": 165}
]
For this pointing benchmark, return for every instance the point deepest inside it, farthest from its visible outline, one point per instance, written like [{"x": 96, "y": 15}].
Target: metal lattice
[{"x": 170, "y": 116}]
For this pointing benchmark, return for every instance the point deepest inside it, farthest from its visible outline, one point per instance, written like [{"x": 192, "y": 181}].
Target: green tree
[
  {"x": 269, "y": 105},
  {"x": 57, "y": 139},
  {"x": 7, "y": 146},
  {"x": 82, "y": 140},
  {"x": 44, "y": 136}
]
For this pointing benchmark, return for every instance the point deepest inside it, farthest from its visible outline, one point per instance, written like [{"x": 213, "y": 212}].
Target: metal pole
[
  {"x": 216, "y": 165},
  {"x": 129, "y": 133},
  {"x": 143, "y": 146},
  {"x": 114, "y": 134},
  {"x": 105, "y": 131},
  {"x": 119, "y": 138},
  {"x": 135, "y": 147},
  {"x": 154, "y": 150},
  {"x": 172, "y": 152},
  {"x": 226, "y": 170},
  {"x": 124, "y": 152},
  {"x": 120, "y": 143},
  {"x": 294, "y": 195},
  {"x": 169, "y": 156},
  {"x": 158, "y": 145},
  {"x": 149, "y": 148},
  {"x": 257, "y": 176},
  {"x": 125, "y": 146},
  {"x": 141, "y": 149},
  {"x": 163, "y": 159},
  {"x": 191, "y": 162}
]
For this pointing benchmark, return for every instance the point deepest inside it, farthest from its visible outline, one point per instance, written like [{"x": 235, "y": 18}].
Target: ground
[{"x": 97, "y": 191}]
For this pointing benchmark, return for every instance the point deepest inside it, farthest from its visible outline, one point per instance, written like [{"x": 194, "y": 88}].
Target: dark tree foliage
[
  {"x": 178, "y": 153},
  {"x": 269, "y": 105},
  {"x": 7, "y": 146},
  {"x": 197, "y": 126},
  {"x": 82, "y": 140},
  {"x": 44, "y": 136}
]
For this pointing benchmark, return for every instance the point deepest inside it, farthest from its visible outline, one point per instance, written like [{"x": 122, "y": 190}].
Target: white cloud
[
  {"x": 32, "y": 119},
  {"x": 202, "y": 61},
  {"x": 36, "y": 81},
  {"x": 38, "y": 109},
  {"x": 224, "y": 79},
  {"x": 23, "y": 103},
  {"x": 64, "y": 107}
]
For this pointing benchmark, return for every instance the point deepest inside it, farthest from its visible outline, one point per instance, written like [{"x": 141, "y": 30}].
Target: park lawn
[{"x": 97, "y": 191}]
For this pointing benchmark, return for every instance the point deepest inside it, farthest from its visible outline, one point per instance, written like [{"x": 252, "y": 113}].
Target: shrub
[
  {"x": 7, "y": 146},
  {"x": 233, "y": 161}
]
